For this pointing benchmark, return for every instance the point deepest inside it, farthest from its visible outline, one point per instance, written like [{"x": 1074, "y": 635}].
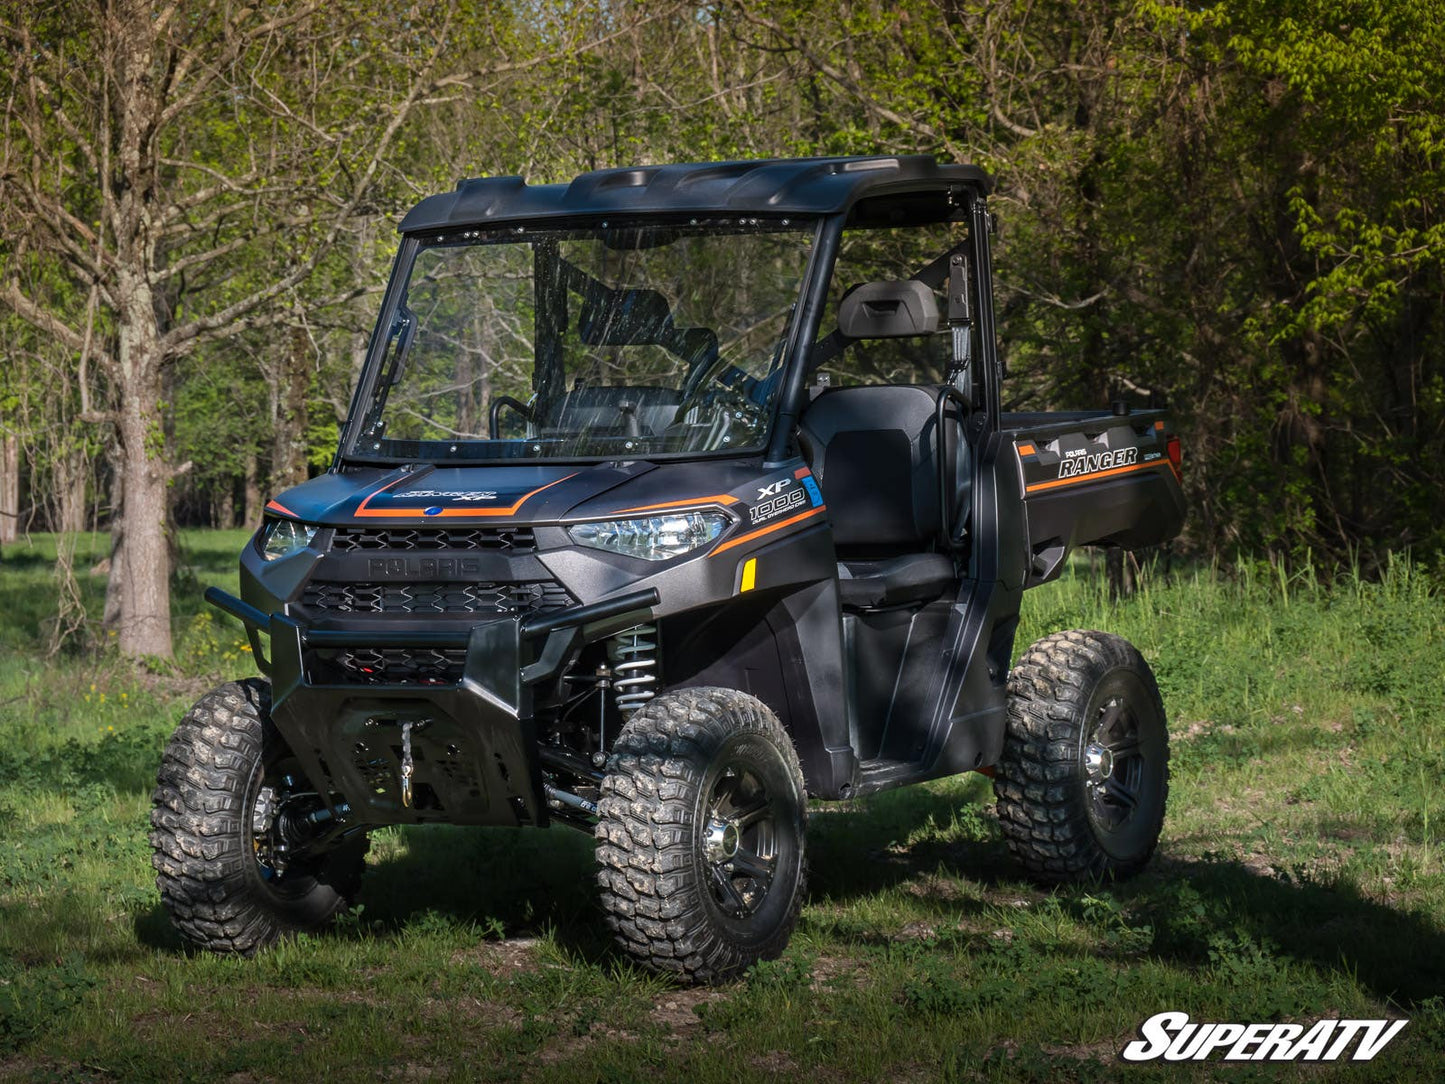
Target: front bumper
[{"x": 474, "y": 745}]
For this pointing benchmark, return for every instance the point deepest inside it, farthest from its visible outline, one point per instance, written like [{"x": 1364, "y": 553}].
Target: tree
[{"x": 153, "y": 148}]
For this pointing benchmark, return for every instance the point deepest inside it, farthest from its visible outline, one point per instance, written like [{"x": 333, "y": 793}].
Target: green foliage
[
  {"x": 1231, "y": 208},
  {"x": 34, "y": 1000}
]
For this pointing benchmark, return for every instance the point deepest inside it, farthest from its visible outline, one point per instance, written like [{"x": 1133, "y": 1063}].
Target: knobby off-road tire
[
  {"x": 701, "y": 835},
  {"x": 219, "y": 894},
  {"x": 1084, "y": 776}
]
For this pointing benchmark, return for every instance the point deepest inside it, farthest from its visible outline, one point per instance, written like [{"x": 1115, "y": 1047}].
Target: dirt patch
[
  {"x": 677, "y": 1009},
  {"x": 15, "y": 1068},
  {"x": 1259, "y": 865},
  {"x": 917, "y": 931},
  {"x": 1106, "y": 1050},
  {"x": 574, "y": 1045},
  {"x": 775, "y": 1063},
  {"x": 492, "y": 1014},
  {"x": 830, "y": 970},
  {"x": 935, "y": 887},
  {"x": 501, "y": 958}
]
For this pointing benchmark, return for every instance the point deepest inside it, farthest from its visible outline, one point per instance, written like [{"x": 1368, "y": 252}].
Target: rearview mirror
[{"x": 888, "y": 310}]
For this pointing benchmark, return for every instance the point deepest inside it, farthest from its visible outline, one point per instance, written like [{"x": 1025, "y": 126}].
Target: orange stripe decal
[
  {"x": 721, "y": 498},
  {"x": 1026, "y": 449},
  {"x": 395, "y": 513},
  {"x": 1096, "y": 476},
  {"x": 1159, "y": 426},
  {"x": 740, "y": 539},
  {"x": 277, "y": 506},
  {"x": 801, "y": 472}
]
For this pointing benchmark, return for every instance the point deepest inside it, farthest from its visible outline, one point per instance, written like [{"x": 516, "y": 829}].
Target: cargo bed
[{"x": 1094, "y": 478}]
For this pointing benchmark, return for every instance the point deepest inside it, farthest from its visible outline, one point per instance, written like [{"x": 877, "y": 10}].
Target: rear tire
[
  {"x": 210, "y": 864},
  {"x": 701, "y": 835},
  {"x": 1084, "y": 776}
]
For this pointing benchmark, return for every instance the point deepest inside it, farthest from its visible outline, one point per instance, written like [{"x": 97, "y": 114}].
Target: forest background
[{"x": 1233, "y": 209}]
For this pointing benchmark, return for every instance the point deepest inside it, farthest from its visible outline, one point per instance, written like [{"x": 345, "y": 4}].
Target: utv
[{"x": 669, "y": 499}]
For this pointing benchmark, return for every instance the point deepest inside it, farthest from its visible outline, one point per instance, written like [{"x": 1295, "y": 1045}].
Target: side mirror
[{"x": 888, "y": 310}]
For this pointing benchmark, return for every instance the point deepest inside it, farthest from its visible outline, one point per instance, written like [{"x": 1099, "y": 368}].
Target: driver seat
[{"x": 873, "y": 451}]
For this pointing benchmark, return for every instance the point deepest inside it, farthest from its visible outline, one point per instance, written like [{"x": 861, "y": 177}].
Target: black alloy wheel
[
  {"x": 701, "y": 835},
  {"x": 1084, "y": 777}
]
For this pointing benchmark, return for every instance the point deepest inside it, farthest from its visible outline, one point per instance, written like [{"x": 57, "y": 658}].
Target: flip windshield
[{"x": 587, "y": 343}]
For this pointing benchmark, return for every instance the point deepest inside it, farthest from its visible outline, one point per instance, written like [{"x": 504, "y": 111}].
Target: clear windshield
[{"x": 566, "y": 344}]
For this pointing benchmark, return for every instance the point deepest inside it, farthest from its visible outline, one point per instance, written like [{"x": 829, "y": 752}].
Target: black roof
[{"x": 803, "y": 186}]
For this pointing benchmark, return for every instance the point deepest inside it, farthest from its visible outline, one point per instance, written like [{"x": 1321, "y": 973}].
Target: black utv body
[{"x": 671, "y": 498}]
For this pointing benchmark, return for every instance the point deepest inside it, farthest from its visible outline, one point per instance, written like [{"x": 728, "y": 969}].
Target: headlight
[
  {"x": 284, "y": 537},
  {"x": 655, "y": 538}
]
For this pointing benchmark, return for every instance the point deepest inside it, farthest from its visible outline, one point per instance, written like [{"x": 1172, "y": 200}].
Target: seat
[
  {"x": 896, "y": 581},
  {"x": 873, "y": 452},
  {"x": 604, "y": 410}
]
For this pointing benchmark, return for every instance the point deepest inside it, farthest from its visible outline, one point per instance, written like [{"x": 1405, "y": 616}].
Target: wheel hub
[
  {"x": 1114, "y": 764},
  {"x": 1098, "y": 762},
  {"x": 721, "y": 840},
  {"x": 738, "y": 842}
]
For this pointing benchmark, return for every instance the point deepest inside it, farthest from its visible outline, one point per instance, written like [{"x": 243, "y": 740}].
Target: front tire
[
  {"x": 224, "y": 779},
  {"x": 1084, "y": 775},
  {"x": 701, "y": 835}
]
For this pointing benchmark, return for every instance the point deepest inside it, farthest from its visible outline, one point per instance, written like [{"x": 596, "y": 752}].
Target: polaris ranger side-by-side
[{"x": 670, "y": 498}]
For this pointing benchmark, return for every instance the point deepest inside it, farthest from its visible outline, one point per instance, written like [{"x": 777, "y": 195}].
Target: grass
[{"x": 1300, "y": 876}]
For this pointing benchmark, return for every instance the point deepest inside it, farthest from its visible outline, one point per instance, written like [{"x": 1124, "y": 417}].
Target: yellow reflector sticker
[{"x": 750, "y": 574}]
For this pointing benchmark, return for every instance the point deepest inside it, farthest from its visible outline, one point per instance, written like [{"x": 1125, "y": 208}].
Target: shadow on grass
[
  {"x": 529, "y": 881},
  {"x": 1198, "y": 909},
  {"x": 524, "y": 881}
]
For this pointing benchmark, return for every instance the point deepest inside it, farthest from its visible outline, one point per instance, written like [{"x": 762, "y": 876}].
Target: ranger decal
[{"x": 1076, "y": 462}]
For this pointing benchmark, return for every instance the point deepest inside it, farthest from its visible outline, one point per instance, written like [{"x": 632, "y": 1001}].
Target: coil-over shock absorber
[{"x": 633, "y": 653}]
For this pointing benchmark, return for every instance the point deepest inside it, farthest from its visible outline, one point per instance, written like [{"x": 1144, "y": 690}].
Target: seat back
[
  {"x": 873, "y": 451},
  {"x": 634, "y": 411}
]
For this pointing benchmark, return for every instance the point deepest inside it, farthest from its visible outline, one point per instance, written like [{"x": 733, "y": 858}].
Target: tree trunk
[
  {"x": 114, "y": 564},
  {"x": 71, "y": 470},
  {"x": 145, "y": 557},
  {"x": 288, "y": 447},
  {"x": 1119, "y": 569},
  {"x": 223, "y": 505},
  {"x": 251, "y": 504},
  {"x": 9, "y": 488}
]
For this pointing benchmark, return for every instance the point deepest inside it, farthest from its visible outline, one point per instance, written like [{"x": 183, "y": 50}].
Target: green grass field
[{"x": 1300, "y": 877}]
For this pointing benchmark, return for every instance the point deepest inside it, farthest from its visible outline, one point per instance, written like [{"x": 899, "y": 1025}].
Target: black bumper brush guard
[{"x": 474, "y": 754}]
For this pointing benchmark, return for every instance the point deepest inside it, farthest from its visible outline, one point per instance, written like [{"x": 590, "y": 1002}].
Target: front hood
[{"x": 534, "y": 493}]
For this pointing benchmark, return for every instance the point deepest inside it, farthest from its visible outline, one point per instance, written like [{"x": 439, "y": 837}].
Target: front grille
[
  {"x": 393, "y": 665},
  {"x": 494, "y": 539},
  {"x": 536, "y": 596}
]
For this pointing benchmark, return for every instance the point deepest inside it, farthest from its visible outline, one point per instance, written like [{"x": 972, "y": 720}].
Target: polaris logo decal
[
  {"x": 1076, "y": 463},
  {"x": 1173, "y": 1037},
  {"x": 453, "y": 495},
  {"x": 424, "y": 567},
  {"x": 771, "y": 509}
]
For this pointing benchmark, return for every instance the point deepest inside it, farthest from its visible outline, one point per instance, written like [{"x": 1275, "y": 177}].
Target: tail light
[{"x": 1175, "y": 451}]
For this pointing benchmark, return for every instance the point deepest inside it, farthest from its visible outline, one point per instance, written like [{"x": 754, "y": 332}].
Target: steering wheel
[{"x": 730, "y": 387}]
